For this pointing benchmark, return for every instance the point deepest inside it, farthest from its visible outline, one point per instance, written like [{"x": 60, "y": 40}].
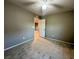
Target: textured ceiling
[{"x": 53, "y": 6}]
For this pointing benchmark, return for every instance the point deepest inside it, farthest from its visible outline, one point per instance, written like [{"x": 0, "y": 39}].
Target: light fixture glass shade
[{"x": 44, "y": 7}]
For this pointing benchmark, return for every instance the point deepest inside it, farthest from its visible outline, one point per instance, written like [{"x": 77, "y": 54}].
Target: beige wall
[
  {"x": 61, "y": 26},
  {"x": 18, "y": 25}
]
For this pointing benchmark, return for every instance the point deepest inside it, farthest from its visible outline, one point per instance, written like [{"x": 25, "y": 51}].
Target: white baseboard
[
  {"x": 17, "y": 45},
  {"x": 59, "y": 40}
]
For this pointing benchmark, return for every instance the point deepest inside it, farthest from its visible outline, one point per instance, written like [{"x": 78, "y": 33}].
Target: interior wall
[
  {"x": 18, "y": 25},
  {"x": 61, "y": 26}
]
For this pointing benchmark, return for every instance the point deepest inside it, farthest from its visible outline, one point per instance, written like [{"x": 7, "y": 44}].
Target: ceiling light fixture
[{"x": 44, "y": 7}]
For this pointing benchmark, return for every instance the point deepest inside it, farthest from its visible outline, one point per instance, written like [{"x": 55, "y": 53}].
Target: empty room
[{"x": 39, "y": 29}]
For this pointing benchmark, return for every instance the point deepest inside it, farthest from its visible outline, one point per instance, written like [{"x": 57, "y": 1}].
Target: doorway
[{"x": 39, "y": 27}]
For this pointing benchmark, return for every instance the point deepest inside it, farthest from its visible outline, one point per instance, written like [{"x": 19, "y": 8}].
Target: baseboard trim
[
  {"x": 59, "y": 40},
  {"x": 17, "y": 45}
]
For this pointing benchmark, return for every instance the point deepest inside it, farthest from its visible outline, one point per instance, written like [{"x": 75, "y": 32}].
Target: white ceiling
[{"x": 35, "y": 6}]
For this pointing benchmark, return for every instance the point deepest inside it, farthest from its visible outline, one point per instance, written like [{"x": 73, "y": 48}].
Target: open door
[{"x": 42, "y": 27}]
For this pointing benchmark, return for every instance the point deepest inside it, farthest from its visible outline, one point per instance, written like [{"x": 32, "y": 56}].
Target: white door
[{"x": 42, "y": 28}]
